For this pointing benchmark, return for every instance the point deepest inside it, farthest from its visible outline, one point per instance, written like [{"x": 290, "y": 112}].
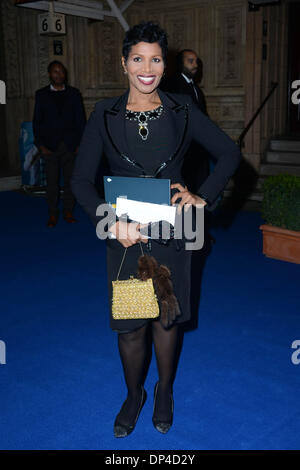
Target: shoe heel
[
  {"x": 162, "y": 426},
  {"x": 121, "y": 430}
]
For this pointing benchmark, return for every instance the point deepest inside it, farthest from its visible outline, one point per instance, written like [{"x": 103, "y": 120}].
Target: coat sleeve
[
  {"x": 86, "y": 167},
  {"x": 223, "y": 150}
]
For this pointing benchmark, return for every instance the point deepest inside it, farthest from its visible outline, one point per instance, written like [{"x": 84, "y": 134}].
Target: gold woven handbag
[{"x": 133, "y": 298}]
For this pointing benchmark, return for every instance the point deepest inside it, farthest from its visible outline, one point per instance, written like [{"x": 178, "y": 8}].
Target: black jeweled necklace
[{"x": 142, "y": 117}]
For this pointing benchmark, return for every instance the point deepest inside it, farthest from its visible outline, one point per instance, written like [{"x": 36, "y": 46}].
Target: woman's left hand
[{"x": 188, "y": 199}]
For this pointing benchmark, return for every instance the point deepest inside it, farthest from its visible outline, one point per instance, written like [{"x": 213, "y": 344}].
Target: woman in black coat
[{"x": 147, "y": 132}]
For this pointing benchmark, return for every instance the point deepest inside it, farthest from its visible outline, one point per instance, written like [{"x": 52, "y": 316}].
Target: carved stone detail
[
  {"x": 43, "y": 60},
  {"x": 104, "y": 54},
  {"x": 110, "y": 52},
  {"x": 229, "y": 61},
  {"x": 177, "y": 29}
]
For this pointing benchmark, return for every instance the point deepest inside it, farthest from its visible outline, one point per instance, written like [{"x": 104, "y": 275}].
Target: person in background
[
  {"x": 195, "y": 170},
  {"x": 188, "y": 72},
  {"x": 58, "y": 124}
]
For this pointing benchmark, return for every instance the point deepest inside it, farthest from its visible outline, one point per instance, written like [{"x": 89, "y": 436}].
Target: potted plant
[{"x": 281, "y": 211}]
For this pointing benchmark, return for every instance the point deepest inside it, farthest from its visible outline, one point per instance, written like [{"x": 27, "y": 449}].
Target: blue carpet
[{"x": 62, "y": 384}]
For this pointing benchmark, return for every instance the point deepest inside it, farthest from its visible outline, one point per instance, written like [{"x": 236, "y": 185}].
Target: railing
[{"x": 239, "y": 141}]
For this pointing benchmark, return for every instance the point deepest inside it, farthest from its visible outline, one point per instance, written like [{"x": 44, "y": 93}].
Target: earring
[{"x": 125, "y": 72}]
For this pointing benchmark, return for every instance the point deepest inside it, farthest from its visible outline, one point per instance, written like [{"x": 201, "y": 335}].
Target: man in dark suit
[
  {"x": 196, "y": 167},
  {"x": 58, "y": 124},
  {"x": 189, "y": 70},
  {"x": 198, "y": 161}
]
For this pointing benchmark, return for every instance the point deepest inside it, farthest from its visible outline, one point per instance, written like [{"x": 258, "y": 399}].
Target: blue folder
[{"x": 152, "y": 190}]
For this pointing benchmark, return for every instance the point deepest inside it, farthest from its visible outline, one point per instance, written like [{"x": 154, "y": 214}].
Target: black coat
[
  {"x": 178, "y": 84},
  {"x": 52, "y": 125},
  {"x": 105, "y": 133}
]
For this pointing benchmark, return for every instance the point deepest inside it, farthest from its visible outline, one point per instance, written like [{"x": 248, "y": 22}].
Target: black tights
[{"x": 133, "y": 353}]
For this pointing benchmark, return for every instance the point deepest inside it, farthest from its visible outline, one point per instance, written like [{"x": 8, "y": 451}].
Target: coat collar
[
  {"x": 51, "y": 88},
  {"x": 166, "y": 99},
  {"x": 115, "y": 127}
]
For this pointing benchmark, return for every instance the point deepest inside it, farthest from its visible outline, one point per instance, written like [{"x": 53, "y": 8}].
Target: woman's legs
[
  {"x": 165, "y": 345},
  {"x": 133, "y": 353},
  {"x": 133, "y": 349}
]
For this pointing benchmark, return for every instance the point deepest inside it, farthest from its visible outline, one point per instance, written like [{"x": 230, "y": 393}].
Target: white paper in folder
[{"x": 145, "y": 212}]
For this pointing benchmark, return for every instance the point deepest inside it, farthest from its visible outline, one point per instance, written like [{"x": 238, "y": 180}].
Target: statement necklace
[{"x": 142, "y": 118}]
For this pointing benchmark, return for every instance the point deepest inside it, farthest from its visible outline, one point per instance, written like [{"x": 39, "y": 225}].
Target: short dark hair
[
  {"x": 56, "y": 62},
  {"x": 179, "y": 58},
  {"x": 146, "y": 31}
]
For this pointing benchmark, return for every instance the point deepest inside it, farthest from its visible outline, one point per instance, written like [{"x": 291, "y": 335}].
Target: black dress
[
  {"x": 108, "y": 133},
  {"x": 150, "y": 153}
]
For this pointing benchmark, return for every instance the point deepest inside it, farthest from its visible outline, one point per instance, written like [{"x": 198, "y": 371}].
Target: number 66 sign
[{"x": 52, "y": 24}]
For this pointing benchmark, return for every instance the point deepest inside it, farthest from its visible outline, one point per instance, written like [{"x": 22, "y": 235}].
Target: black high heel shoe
[
  {"x": 162, "y": 426},
  {"x": 123, "y": 430}
]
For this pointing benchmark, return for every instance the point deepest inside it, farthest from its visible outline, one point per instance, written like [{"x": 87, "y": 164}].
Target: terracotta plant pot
[{"x": 280, "y": 243}]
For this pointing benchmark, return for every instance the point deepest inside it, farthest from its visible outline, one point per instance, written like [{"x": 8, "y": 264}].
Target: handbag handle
[{"x": 124, "y": 258}]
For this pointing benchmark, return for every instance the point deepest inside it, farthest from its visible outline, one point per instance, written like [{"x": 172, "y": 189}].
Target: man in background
[
  {"x": 188, "y": 72},
  {"x": 198, "y": 162},
  {"x": 58, "y": 125},
  {"x": 189, "y": 68}
]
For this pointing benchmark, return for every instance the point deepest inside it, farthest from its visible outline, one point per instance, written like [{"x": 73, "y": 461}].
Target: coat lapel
[
  {"x": 179, "y": 114},
  {"x": 114, "y": 118},
  {"x": 115, "y": 123}
]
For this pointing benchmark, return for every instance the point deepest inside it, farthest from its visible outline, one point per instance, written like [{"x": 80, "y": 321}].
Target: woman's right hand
[{"x": 128, "y": 234}]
